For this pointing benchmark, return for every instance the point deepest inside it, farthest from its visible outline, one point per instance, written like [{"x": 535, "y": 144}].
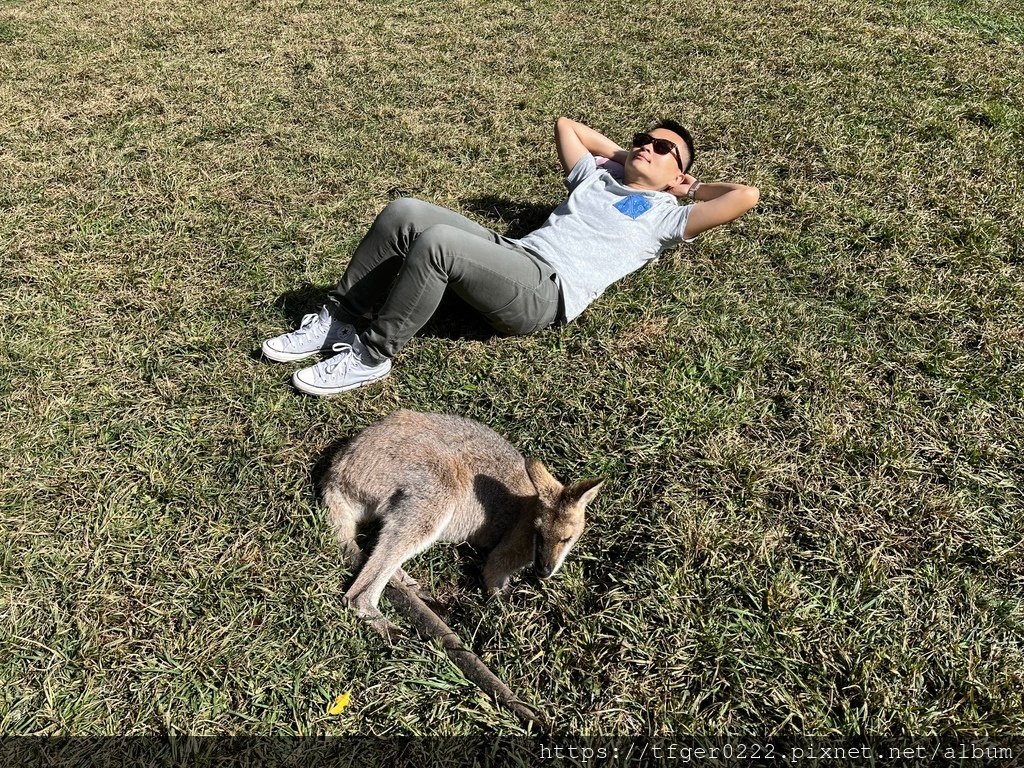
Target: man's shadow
[
  {"x": 454, "y": 319},
  {"x": 514, "y": 218}
]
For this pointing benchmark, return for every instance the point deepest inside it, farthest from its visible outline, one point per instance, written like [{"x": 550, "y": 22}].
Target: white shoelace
[
  {"x": 307, "y": 323},
  {"x": 344, "y": 354}
]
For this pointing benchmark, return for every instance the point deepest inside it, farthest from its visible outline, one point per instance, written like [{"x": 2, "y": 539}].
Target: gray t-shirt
[{"x": 603, "y": 232}]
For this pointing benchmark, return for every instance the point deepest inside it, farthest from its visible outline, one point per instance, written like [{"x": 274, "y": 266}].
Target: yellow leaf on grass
[{"x": 340, "y": 703}]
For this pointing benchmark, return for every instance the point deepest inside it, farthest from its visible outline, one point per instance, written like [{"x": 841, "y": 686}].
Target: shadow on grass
[
  {"x": 323, "y": 462},
  {"x": 301, "y": 301},
  {"x": 518, "y": 217}
]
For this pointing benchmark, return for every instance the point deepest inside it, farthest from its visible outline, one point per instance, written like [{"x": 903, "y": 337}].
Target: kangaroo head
[{"x": 559, "y": 520}]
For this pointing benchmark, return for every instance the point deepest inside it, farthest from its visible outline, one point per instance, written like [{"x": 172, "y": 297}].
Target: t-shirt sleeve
[
  {"x": 584, "y": 167},
  {"x": 675, "y": 225}
]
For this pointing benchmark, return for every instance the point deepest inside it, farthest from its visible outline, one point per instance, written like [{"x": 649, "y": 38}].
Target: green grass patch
[{"x": 810, "y": 422}]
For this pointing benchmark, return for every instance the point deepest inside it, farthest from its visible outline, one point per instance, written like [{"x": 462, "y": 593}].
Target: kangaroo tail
[{"x": 430, "y": 625}]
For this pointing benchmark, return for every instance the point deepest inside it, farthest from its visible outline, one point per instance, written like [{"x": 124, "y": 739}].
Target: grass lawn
[{"x": 811, "y": 421}]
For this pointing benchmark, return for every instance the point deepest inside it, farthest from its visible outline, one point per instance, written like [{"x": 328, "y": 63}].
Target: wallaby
[{"x": 430, "y": 477}]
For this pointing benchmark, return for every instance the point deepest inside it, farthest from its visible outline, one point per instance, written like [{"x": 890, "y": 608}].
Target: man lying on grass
[{"x": 610, "y": 226}]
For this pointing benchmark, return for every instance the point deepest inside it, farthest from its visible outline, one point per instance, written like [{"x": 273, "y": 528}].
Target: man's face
[{"x": 646, "y": 167}]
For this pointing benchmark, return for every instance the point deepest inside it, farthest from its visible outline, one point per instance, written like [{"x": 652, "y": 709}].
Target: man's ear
[
  {"x": 675, "y": 188},
  {"x": 681, "y": 186}
]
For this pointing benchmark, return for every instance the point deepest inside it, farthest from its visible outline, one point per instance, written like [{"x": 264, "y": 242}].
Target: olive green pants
[{"x": 415, "y": 251}]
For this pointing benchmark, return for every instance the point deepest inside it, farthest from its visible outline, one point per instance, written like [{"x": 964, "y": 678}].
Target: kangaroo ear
[
  {"x": 584, "y": 491},
  {"x": 547, "y": 486}
]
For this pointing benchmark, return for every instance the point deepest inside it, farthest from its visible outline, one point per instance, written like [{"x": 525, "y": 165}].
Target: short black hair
[{"x": 672, "y": 125}]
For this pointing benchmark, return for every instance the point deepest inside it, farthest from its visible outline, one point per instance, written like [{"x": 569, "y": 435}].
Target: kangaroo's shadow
[{"x": 323, "y": 462}]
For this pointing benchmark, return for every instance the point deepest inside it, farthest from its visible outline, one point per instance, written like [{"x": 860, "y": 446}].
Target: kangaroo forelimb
[{"x": 430, "y": 625}]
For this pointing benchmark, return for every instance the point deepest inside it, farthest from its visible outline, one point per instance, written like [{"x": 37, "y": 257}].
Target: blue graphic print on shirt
[{"x": 634, "y": 206}]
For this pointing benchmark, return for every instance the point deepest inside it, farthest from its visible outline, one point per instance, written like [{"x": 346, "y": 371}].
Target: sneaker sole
[
  {"x": 285, "y": 357},
  {"x": 279, "y": 356},
  {"x": 309, "y": 389}
]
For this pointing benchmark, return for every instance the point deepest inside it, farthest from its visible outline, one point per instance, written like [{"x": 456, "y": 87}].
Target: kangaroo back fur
[{"x": 433, "y": 477}]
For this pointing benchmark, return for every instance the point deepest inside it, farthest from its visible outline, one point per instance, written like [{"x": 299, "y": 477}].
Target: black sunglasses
[{"x": 660, "y": 146}]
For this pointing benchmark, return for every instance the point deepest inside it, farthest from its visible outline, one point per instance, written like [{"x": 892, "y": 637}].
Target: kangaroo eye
[{"x": 566, "y": 540}]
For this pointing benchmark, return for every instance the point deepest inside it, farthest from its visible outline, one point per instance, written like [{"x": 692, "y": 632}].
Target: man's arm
[
  {"x": 574, "y": 140},
  {"x": 719, "y": 203}
]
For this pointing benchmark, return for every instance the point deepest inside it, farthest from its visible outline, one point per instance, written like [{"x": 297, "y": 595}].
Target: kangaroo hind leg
[
  {"x": 412, "y": 522},
  {"x": 346, "y": 514}
]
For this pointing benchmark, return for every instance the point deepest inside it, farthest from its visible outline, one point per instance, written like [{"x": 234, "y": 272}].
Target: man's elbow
[{"x": 752, "y": 196}]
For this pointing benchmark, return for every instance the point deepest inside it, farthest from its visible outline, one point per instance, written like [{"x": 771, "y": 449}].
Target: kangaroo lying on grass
[{"x": 433, "y": 477}]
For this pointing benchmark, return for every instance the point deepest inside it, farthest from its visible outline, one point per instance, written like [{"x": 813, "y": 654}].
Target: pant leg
[
  {"x": 514, "y": 290},
  {"x": 378, "y": 258}
]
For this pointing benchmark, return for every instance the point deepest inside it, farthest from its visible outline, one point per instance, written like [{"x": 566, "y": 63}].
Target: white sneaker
[
  {"x": 348, "y": 369},
  {"x": 318, "y": 333}
]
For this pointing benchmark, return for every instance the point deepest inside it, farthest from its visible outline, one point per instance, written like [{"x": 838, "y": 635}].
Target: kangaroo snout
[
  {"x": 548, "y": 556},
  {"x": 546, "y": 564},
  {"x": 543, "y": 568}
]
